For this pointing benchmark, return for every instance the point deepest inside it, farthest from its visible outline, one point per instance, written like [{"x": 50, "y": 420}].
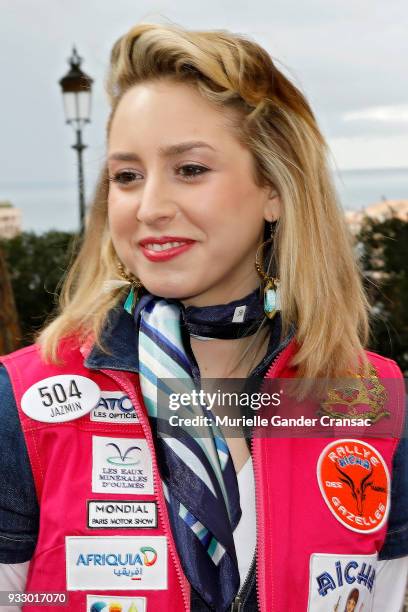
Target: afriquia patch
[
  {"x": 355, "y": 484},
  {"x": 61, "y": 398},
  {"x": 116, "y": 563}
]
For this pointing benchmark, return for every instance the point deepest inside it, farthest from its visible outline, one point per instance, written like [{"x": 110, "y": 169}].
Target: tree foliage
[
  {"x": 36, "y": 266},
  {"x": 384, "y": 250},
  {"x": 9, "y": 327}
]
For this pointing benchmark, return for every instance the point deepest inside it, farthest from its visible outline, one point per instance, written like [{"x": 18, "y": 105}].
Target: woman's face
[
  {"x": 179, "y": 175},
  {"x": 351, "y": 605}
]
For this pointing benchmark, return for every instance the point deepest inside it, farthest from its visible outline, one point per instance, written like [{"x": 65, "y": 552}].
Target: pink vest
[{"x": 313, "y": 547}]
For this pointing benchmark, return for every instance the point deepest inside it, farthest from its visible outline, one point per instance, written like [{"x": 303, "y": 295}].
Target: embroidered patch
[
  {"x": 128, "y": 514},
  {"x": 61, "y": 398},
  {"x": 355, "y": 484},
  {"x": 121, "y": 465},
  {"x": 107, "y": 603},
  {"x": 341, "y": 582},
  {"x": 114, "y": 407},
  {"x": 116, "y": 563},
  {"x": 362, "y": 398}
]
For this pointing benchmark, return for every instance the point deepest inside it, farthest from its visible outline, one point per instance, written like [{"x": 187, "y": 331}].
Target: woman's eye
[
  {"x": 124, "y": 177},
  {"x": 190, "y": 171},
  {"x": 187, "y": 172}
]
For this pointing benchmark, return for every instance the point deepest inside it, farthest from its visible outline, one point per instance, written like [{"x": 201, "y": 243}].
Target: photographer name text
[{"x": 274, "y": 421}]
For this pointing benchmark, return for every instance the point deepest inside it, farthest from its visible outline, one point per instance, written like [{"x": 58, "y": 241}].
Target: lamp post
[{"x": 76, "y": 90}]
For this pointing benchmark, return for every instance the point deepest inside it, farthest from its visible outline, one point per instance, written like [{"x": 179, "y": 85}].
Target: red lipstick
[{"x": 165, "y": 254}]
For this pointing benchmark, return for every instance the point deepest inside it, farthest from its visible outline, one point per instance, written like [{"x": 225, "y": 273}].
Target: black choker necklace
[{"x": 237, "y": 319}]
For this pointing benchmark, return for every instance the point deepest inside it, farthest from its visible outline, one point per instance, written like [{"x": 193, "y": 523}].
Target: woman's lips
[{"x": 166, "y": 253}]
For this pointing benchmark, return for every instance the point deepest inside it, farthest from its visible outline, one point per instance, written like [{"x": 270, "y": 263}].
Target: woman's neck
[{"x": 219, "y": 358}]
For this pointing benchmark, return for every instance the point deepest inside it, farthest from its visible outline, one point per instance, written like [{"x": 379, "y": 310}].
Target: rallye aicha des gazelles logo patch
[{"x": 355, "y": 484}]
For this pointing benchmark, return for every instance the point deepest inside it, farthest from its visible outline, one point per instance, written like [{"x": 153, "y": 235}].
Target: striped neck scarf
[{"x": 198, "y": 476}]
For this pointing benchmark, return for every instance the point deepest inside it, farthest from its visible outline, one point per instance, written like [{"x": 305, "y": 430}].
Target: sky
[{"x": 348, "y": 56}]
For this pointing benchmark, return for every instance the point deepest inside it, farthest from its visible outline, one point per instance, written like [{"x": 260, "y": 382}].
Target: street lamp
[{"x": 76, "y": 90}]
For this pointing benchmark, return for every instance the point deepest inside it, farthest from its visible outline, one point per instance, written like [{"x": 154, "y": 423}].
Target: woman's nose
[{"x": 155, "y": 202}]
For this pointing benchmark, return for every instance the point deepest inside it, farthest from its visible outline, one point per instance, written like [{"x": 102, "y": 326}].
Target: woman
[
  {"x": 352, "y": 601},
  {"x": 214, "y": 248}
]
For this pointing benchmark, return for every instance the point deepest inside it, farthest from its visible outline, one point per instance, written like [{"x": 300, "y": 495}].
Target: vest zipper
[
  {"x": 238, "y": 602},
  {"x": 260, "y": 530},
  {"x": 236, "y": 605},
  {"x": 157, "y": 487},
  {"x": 260, "y": 524}
]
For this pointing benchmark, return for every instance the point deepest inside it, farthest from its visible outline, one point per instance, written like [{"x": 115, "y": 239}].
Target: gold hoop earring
[
  {"x": 135, "y": 287},
  {"x": 126, "y": 279},
  {"x": 126, "y": 276},
  {"x": 271, "y": 301}
]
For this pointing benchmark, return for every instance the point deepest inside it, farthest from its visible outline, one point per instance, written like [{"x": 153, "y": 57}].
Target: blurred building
[
  {"x": 10, "y": 220},
  {"x": 378, "y": 211}
]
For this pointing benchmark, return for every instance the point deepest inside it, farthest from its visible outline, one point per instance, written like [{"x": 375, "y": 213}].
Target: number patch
[{"x": 62, "y": 398}]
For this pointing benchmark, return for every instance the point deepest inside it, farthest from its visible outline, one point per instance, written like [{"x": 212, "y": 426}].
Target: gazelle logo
[
  {"x": 354, "y": 482},
  {"x": 359, "y": 487},
  {"x": 124, "y": 458}
]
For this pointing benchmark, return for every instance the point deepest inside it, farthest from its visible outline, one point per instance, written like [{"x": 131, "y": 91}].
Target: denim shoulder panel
[
  {"x": 18, "y": 501},
  {"x": 396, "y": 542},
  {"x": 119, "y": 335}
]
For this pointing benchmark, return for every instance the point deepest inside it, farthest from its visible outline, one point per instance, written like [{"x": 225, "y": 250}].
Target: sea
[{"x": 54, "y": 205}]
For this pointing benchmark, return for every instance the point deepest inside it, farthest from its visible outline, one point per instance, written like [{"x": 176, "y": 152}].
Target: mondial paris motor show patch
[
  {"x": 355, "y": 484},
  {"x": 341, "y": 583}
]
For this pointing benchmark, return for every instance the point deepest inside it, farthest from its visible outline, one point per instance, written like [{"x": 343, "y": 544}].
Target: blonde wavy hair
[{"x": 321, "y": 288}]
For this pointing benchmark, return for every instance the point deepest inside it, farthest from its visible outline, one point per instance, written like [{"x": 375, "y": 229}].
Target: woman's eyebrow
[{"x": 169, "y": 151}]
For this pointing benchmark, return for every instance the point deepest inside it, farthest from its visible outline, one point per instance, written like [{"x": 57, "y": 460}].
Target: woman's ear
[{"x": 272, "y": 210}]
